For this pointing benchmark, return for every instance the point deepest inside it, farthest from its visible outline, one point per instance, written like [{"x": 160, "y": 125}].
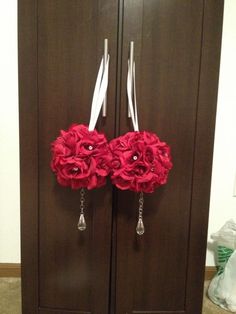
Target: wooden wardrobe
[{"x": 109, "y": 269}]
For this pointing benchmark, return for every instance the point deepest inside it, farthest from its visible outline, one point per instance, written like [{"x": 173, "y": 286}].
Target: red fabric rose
[
  {"x": 141, "y": 162},
  {"x": 81, "y": 158}
]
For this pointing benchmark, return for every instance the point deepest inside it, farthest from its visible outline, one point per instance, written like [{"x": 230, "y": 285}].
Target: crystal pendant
[
  {"x": 82, "y": 223},
  {"x": 140, "y": 227}
]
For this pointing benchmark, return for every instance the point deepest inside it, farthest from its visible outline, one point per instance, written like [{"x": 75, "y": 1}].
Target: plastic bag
[
  {"x": 226, "y": 236},
  {"x": 222, "y": 289}
]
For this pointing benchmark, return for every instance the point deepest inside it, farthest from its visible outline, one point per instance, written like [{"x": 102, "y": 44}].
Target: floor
[{"x": 10, "y": 298}]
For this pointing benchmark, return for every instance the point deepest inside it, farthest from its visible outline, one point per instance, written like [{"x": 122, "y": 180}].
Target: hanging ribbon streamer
[
  {"x": 98, "y": 98},
  {"x": 81, "y": 155},
  {"x": 132, "y": 105},
  {"x": 141, "y": 161},
  {"x": 99, "y": 92},
  {"x": 131, "y": 85}
]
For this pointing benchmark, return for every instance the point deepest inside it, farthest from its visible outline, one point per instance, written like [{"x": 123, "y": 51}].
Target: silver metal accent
[
  {"x": 105, "y": 56},
  {"x": 131, "y": 61},
  {"x": 82, "y": 200},
  {"x": 141, "y": 203},
  {"x": 140, "y": 229},
  {"x": 82, "y": 223}
]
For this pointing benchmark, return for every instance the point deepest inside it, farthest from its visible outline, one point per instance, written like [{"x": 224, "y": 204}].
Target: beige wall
[
  {"x": 9, "y": 144},
  {"x": 223, "y": 204}
]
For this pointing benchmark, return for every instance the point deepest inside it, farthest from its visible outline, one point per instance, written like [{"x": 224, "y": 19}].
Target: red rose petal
[
  {"x": 148, "y": 170},
  {"x": 71, "y": 150}
]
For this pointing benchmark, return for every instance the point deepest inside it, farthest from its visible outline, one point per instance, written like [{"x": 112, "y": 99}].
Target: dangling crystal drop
[
  {"x": 82, "y": 223},
  {"x": 140, "y": 227}
]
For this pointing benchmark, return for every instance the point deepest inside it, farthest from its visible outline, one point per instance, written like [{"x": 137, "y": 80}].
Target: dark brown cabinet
[{"x": 108, "y": 269}]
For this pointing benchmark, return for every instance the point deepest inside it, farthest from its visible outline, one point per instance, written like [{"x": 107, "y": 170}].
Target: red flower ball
[
  {"x": 140, "y": 163},
  {"x": 81, "y": 158}
]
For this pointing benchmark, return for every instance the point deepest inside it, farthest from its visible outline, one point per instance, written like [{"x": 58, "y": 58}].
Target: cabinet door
[
  {"x": 61, "y": 45},
  {"x": 177, "y": 47}
]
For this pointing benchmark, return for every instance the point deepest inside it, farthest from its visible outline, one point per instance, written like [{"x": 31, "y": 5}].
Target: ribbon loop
[
  {"x": 99, "y": 92},
  {"x": 132, "y": 100}
]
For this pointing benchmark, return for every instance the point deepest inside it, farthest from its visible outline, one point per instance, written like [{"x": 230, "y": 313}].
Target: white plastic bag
[
  {"x": 226, "y": 236},
  {"x": 222, "y": 289}
]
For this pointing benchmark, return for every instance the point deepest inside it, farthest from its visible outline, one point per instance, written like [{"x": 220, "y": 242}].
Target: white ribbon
[
  {"x": 131, "y": 84},
  {"x": 99, "y": 93}
]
